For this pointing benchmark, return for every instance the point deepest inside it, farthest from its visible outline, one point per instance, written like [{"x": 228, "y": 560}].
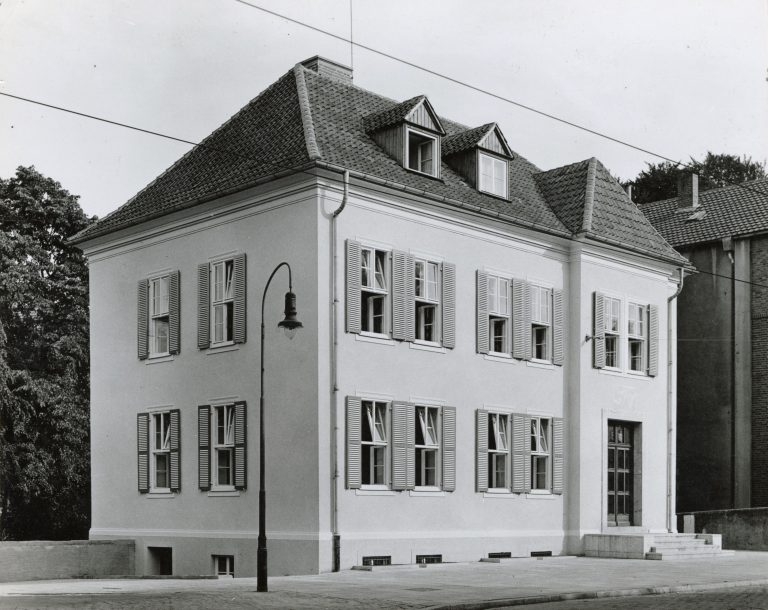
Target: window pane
[
  {"x": 503, "y": 297},
  {"x": 432, "y": 426},
  {"x": 381, "y": 430},
  {"x": 534, "y": 434},
  {"x": 432, "y": 281},
  {"x": 378, "y": 465},
  {"x": 493, "y": 300},
  {"x": 218, "y": 281},
  {"x": 229, "y": 432},
  {"x": 419, "y": 275},
  {"x": 367, "y": 423},
  {"x": 503, "y": 433},
  {"x": 158, "y": 427},
  {"x": 225, "y": 466},
  {"x": 218, "y": 323},
  {"x": 161, "y": 470},
  {"x": 430, "y": 467},
  {"x": 365, "y": 268},
  {"x": 377, "y": 314},
  {"x": 220, "y": 425},
  {"x": 544, "y": 435},
  {"x": 425, "y": 161},
  {"x": 381, "y": 282},
  {"x": 492, "y": 431},
  {"x": 498, "y": 335},
  {"x": 420, "y": 426},
  {"x": 161, "y": 335},
  {"x": 500, "y": 467},
  {"x": 229, "y": 291}
]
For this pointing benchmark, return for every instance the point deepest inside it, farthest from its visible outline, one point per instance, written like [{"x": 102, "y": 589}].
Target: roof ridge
[
  {"x": 306, "y": 113},
  {"x": 589, "y": 196},
  {"x": 746, "y": 184}
]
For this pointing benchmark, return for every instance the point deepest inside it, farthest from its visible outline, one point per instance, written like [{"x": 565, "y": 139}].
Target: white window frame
[
  {"x": 160, "y": 445},
  {"x": 226, "y": 447},
  {"x": 435, "y": 162},
  {"x": 497, "y": 177},
  {"x": 158, "y": 307},
  {"x": 499, "y": 313},
  {"x": 634, "y": 337},
  {"x": 223, "y": 302},
  {"x": 612, "y": 328},
  {"x": 425, "y": 301},
  {"x": 501, "y": 450},
  {"x": 380, "y": 446},
  {"x": 229, "y": 566},
  {"x": 541, "y": 450},
  {"x": 541, "y": 320},
  {"x": 370, "y": 292},
  {"x": 433, "y": 446}
]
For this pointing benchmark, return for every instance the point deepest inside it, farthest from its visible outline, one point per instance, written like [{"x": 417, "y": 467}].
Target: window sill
[
  {"x": 222, "y": 347},
  {"x": 541, "y": 364},
  {"x": 625, "y": 374},
  {"x": 224, "y": 493},
  {"x": 373, "y": 491},
  {"x": 160, "y": 495},
  {"x": 427, "y": 346},
  {"x": 640, "y": 374},
  {"x": 426, "y": 492},
  {"x": 499, "y": 357},
  {"x": 371, "y": 338},
  {"x": 158, "y": 358},
  {"x": 503, "y": 494},
  {"x": 540, "y": 495}
]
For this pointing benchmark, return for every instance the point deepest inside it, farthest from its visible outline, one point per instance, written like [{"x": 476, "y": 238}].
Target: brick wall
[
  {"x": 759, "y": 263},
  {"x": 744, "y": 529}
]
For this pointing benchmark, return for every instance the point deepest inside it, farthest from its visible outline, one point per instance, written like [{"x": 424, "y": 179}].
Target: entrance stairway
[{"x": 665, "y": 546}]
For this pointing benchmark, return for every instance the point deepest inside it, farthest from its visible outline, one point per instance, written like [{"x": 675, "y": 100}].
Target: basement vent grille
[
  {"x": 500, "y": 555},
  {"x": 377, "y": 560},
  {"x": 541, "y": 553},
  {"x": 429, "y": 559}
]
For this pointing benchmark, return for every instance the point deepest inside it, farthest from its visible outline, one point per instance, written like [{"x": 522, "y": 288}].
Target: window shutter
[
  {"x": 174, "y": 316},
  {"x": 598, "y": 331},
  {"x": 353, "y": 286},
  {"x": 449, "y": 305},
  {"x": 521, "y": 453},
  {"x": 354, "y": 408},
  {"x": 143, "y": 319},
  {"x": 175, "y": 416},
  {"x": 481, "y": 442},
  {"x": 403, "y": 441},
  {"x": 410, "y": 444},
  {"x": 448, "y": 447},
  {"x": 204, "y": 447},
  {"x": 482, "y": 314},
  {"x": 521, "y": 319},
  {"x": 558, "y": 440},
  {"x": 241, "y": 441},
  {"x": 558, "y": 328},
  {"x": 203, "y": 306},
  {"x": 142, "y": 442},
  {"x": 403, "y": 297},
  {"x": 653, "y": 340},
  {"x": 239, "y": 302}
]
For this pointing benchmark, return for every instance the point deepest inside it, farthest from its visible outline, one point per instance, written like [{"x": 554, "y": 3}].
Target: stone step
[
  {"x": 685, "y": 550},
  {"x": 683, "y": 557},
  {"x": 679, "y": 543},
  {"x": 676, "y": 536}
]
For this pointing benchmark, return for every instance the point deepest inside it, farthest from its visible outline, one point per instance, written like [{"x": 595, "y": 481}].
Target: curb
[{"x": 635, "y": 592}]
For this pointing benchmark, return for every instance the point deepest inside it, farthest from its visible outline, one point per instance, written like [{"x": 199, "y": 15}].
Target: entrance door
[{"x": 620, "y": 473}]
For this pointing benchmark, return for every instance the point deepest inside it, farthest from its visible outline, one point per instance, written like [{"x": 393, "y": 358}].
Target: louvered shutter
[
  {"x": 353, "y": 286},
  {"x": 482, "y": 314},
  {"x": 598, "y": 331},
  {"x": 521, "y": 453},
  {"x": 354, "y": 408},
  {"x": 481, "y": 446},
  {"x": 558, "y": 328},
  {"x": 410, "y": 298},
  {"x": 521, "y": 319},
  {"x": 174, "y": 315},
  {"x": 558, "y": 454},
  {"x": 399, "y": 290},
  {"x": 203, "y": 306},
  {"x": 142, "y": 442},
  {"x": 403, "y": 450},
  {"x": 239, "y": 301},
  {"x": 449, "y": 305},
  {"x": 241, "y": 442},
  {"x": 448, "y": 446},
  {"x": 653, "y": 340},
  {"x": 410, "y": 445},
  {"x": 175, "y": 456},
  {"x": 204, "y": 447},
  {"x": 143, "y": 319}
]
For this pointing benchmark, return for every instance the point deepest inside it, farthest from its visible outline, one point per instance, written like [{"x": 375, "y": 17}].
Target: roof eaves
[{"x": 306, "y": 113}]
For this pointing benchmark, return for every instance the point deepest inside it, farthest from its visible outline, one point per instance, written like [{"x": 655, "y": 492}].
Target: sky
[{"x": 674, "y": 77}]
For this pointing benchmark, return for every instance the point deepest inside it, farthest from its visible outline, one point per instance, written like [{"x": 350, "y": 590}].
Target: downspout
[
  {"x": 335, "y": 383},
  {"x": 671, "y": 410}
]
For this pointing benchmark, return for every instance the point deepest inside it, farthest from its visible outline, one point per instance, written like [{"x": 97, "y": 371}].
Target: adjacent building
[{"x": 486, "y": 365}]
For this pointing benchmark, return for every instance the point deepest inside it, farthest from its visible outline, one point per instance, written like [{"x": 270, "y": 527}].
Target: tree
[
  {"x": 44, "y": 415},
  {"x": 659, "y": 180}
]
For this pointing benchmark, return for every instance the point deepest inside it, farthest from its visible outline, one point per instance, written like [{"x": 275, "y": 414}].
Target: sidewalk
[{"x": 467, "y": 585}]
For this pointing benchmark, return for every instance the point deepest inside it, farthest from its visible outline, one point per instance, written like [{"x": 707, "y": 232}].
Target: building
[
  {"x": 483, "y": 364},
  {"x": 722, "y": 343}
]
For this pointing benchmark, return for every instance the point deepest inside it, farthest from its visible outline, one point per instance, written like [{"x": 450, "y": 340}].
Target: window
[
  {"x": 493, "y": 175},
  {"x": 161, "y": 450},
  {"x": 373, "y": 440},
  {"x": 612, "y": 324},
  {"x": 498, "y": 451},
  {"x": 540, "y": 453},
  {"x": 498, "y": 315},
  {"x": 427, "y": 300},
  {"x": 374, "y": 291},
  {"x": 159, "y": 318},
  {"x": 224, "y": 566},
  {"x": 427, "y": 446},
  {"x": 636, "y": 329},
  {"x": 223, "y": 445},
  {"x": 541, "y": 322},
  {"x": 222, "y": 301},
  {"x": 421, "y": 152}
]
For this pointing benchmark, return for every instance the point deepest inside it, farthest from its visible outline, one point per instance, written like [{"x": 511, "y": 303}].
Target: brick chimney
[
  {"x": 330, "y": 69},
  {"x": 688, "y": 190}
]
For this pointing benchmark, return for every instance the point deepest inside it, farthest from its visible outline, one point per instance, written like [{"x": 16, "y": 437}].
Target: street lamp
[{"x": 290, "y": 325}]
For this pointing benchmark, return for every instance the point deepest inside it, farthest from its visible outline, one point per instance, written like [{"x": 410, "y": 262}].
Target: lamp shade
[{"x": 290, "y": 324}]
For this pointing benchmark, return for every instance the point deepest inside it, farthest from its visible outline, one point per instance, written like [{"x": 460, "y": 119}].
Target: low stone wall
[
  {"x": 45, "y": 560},
  {"x": 744, "y": 529}
]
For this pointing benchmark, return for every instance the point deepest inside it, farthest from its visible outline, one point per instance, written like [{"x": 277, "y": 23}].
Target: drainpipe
[
  {"x": 671, "y": 410},
  {"x": 335, "y": 384}
]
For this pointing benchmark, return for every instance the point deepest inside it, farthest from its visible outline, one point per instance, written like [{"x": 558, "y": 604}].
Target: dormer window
[
  {"x": 421, "y": 152},
  {"x": 493, "y": 175}
]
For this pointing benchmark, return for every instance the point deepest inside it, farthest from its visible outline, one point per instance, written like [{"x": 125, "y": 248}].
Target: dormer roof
[
  {"x": 488, "y": 137},
  {"x": 416, "y": 111}
]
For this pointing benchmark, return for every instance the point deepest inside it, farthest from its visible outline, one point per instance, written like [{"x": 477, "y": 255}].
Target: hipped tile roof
[{"x": 305, "y": 118}]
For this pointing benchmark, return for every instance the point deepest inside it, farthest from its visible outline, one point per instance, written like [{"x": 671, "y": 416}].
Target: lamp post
[{"x": 290, "y": 325}]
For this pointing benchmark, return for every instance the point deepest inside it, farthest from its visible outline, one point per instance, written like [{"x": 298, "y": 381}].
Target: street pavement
[{"x": 462, "y": 585}]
